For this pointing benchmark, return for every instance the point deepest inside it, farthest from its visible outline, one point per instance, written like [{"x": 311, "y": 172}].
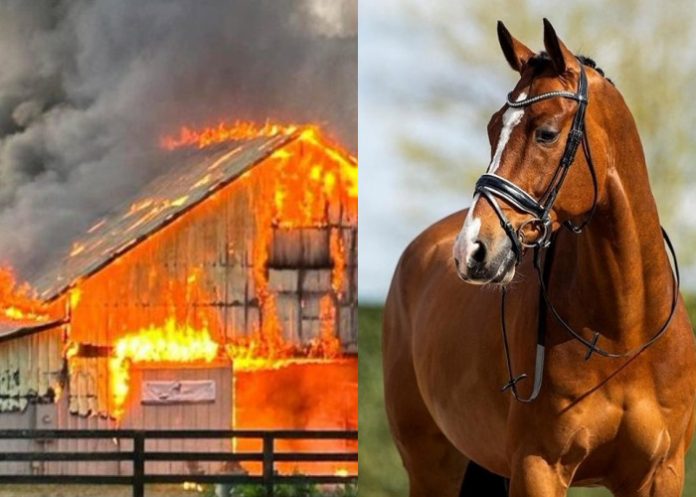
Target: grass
[
  {"x": 381, "y": 472},
  {"x": 380, "y": 469}
]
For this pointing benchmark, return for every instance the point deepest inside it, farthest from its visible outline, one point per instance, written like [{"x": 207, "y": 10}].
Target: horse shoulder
[{"x": 426, "y": 254}]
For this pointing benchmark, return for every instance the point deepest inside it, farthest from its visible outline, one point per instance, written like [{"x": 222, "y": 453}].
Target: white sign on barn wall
[{"x": 177, "y": 392}]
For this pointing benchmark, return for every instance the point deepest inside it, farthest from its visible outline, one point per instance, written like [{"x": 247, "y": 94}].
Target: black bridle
[{"x": 493, "y": 187}]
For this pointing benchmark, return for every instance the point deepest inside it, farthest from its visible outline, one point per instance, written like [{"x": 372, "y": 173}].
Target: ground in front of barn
[
  {"x": 98, "y": 491},
  {"x": 170, "y": 491}
]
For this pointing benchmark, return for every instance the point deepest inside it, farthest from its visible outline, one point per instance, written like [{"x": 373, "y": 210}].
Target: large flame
[
  {"x": 169, "y": 343},
  {"x": 17, "y": 303}
]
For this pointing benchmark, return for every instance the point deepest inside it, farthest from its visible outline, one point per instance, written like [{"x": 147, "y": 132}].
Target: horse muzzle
[{"x": 481, "y": 262}]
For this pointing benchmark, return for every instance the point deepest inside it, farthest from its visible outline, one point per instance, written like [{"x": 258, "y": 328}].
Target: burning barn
[{"x": 224, "y": 295}]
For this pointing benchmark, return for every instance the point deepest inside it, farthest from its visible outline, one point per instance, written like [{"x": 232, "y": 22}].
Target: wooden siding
[
  {"x": 197, "y": 416},
  {"x": 30, "y": 368}
]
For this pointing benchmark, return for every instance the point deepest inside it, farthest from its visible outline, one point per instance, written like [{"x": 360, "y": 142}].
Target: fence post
[
  {"x": 138, "y": 464},
  {"x": 268, "y": 463}
]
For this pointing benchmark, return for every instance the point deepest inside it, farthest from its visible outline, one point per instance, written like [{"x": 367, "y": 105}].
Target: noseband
[{"x": 493, "y": 187}]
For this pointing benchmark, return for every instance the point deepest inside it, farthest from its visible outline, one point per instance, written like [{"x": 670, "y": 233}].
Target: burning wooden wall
[{"x": 247, "y": 251}]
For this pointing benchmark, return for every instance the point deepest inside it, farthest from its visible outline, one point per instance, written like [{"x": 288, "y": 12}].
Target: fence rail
[{"x": 138, "y": 456}]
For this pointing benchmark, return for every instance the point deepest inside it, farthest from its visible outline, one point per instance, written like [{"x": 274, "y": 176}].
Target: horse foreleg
[
  {"x": 532, "y": 476},
  {"x": 667, "y": 481},
  {"x": 434, "y": 466},
  {"x": 669, "y": 478}
]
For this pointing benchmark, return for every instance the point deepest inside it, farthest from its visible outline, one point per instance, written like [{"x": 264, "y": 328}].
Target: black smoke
[{"x": 88, "y": 87}]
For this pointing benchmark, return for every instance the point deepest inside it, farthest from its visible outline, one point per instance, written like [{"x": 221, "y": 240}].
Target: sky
[
  {"x": 393, "y": 208},
  {"x": 389, "y": 214}
]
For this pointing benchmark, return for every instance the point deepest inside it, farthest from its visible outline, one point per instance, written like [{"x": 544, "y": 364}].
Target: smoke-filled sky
[{"x": 87, "y": 88}]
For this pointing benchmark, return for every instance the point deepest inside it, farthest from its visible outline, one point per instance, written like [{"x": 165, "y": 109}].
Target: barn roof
[
  {"x": 17, "y": 328},
  {"x": 199, "y": 175}
]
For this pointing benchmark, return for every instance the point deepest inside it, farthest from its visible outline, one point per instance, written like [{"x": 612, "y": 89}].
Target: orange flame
[
  {"x": 169, "y": 343},
  {"x": 327, "y": 344},
  {"x": 17, "y": 302},
  {"x": 338, "y": 255},
  {"x": 223, "y": 132}
]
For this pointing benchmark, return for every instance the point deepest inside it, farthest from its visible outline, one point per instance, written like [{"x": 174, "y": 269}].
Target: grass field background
[{"x": 381, "y": 472}]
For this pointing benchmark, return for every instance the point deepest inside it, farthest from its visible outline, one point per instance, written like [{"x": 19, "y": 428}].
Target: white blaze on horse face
[
  {"x": 465, "y": 243},
  {"x": 511, "y": 118}
]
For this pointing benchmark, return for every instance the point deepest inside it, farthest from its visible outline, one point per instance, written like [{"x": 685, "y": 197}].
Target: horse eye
[{"x": 546, "y": 135}]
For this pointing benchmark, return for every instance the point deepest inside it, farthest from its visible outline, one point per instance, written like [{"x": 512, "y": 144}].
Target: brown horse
[{"x": 620, "y": 422}]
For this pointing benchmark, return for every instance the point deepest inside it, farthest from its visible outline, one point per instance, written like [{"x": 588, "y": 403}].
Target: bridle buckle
[{"x": 541, "y": 225}]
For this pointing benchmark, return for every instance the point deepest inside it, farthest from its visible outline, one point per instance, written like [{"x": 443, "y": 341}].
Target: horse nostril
[
  {"x": 456, "y": 263},
  {"x": 479, "y": 254}
]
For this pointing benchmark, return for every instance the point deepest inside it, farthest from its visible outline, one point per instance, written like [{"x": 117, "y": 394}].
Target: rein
[{"x": 493, "y": 187}]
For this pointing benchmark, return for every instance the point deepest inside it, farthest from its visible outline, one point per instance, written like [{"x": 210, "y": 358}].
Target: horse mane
[{"x": 542, "y": 60}]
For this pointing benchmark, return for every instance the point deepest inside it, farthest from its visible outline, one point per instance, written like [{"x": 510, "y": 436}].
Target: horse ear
[
  {"x": 516, "y": 53},
  {"x": 561, "y": 58}
]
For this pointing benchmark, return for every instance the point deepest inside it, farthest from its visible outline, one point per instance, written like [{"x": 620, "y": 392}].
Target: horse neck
[{"x": 620, "y": 277}]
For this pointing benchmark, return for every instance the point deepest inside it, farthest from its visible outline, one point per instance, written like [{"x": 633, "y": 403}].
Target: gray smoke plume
[{"x": 88, "y": 87}]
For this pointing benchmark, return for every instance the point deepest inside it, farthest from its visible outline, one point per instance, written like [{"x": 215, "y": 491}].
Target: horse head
[{"x": 519, "y": 202}]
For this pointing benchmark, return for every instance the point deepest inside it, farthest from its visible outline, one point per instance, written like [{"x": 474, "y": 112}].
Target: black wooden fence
[{"x": 139, "y": 456}]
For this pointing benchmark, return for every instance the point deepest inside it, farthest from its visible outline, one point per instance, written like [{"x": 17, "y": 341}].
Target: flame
[
  {"x": 97, "y": 225},
  {"x": 139, "y": 206},
  {"x": 77, "y": 249},
  {"x": 338, "y": 255},
  {"x": 269, "y": 350},
  {"x": 307, "y": 395},
  {"x": 223, "y": 132},
  {"x": 327, "y": 344},
  {"x": 75, "y": 295},
  {"x": 17, "y": 302},
  {"x": 192, "y": 486},
  {"x": 180, "y": 201},
  {"x": 71, "y": 350},
  {"x": 172, "y": 342}
]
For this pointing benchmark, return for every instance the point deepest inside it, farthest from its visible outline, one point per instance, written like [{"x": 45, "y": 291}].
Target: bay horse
[{"x": 571, "y": 244}]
